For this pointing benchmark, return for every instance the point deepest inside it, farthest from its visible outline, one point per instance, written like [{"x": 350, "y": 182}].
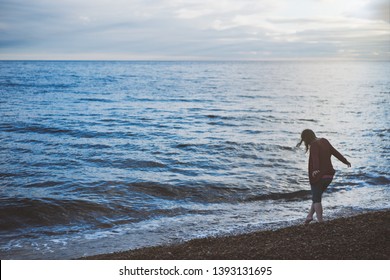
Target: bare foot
[{"x": 308, "y": 220}]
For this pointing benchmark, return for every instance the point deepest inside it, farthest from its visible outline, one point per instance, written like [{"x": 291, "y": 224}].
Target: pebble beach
[{"x": 360, "y": 237}]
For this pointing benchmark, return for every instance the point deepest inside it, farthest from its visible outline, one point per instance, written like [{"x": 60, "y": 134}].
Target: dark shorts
[{"x": 318, "y": 188}]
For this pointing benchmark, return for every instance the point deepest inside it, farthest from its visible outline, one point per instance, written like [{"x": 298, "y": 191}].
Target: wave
[
  {"x": 5, "y": 175},
  {"x": 125, "y": 163},
  {"x": 290, "y": 196},
  {"x": 237, "y": 146},
  {"x": 211, "y": 193},
  {"x": 26, "y": 128},
  {"x": 33, "y": 128},
  {"x": 34, "y": 84},
  {"x": 118, "y": 202},
  {"x": 18, "y": 213},
  {"x": 90, "y": 146},
  {"x": 96, "y": 100}
]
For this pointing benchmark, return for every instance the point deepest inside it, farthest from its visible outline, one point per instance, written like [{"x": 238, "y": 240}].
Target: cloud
[
  {"x": 192, "y": 29},
  {"x": 372, "y": 9}
]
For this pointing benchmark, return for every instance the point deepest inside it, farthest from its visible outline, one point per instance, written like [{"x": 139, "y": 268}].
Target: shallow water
[{"x": 106, "y": 156}]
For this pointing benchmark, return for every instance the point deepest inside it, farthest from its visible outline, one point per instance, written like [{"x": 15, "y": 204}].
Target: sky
[{"x": 195, "y": 29}]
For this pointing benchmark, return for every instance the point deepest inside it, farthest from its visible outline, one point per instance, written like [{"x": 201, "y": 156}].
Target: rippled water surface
[{"x": 105, "y": 156}]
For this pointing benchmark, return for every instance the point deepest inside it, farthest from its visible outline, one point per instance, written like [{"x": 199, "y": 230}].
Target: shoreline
[{"x": 361, "y": 237}]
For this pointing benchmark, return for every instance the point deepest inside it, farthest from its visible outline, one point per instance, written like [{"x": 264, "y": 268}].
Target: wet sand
[{"x": 362, "y": 237}]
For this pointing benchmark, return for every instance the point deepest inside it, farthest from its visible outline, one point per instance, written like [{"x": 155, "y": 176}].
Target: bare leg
[
  {"x": 318, "y": 209},
  {"x": 309, "y": 217},
  {"x": 311, "y": 212}
]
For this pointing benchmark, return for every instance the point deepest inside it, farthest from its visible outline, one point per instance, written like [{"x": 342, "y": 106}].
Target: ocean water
[{"x": 100, "y": 156}]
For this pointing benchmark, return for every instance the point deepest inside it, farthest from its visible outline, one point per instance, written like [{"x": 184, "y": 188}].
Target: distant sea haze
[{"x": 100, "y": 156}]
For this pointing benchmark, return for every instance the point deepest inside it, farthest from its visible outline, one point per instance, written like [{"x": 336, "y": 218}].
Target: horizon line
[{"x": 207, "y": 60}]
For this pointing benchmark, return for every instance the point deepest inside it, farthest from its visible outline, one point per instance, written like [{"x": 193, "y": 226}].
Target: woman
[{"x": 321, "y": 170}]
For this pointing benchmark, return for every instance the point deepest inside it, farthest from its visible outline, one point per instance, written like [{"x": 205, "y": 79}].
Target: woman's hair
[{"x": 307, "y": 136}]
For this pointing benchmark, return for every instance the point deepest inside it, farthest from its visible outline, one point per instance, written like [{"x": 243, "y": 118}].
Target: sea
[{"x": 104, "y": 156}]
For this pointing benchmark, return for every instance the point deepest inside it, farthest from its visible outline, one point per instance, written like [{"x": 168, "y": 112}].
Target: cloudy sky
[{"x": 195, "y": 29}]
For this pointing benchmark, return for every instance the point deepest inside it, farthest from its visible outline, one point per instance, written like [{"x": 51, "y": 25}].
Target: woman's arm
[{"x": 339, "y": 156}]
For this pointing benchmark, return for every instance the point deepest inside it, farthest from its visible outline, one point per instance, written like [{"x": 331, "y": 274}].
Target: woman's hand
[{"x": 349, "y": 164}]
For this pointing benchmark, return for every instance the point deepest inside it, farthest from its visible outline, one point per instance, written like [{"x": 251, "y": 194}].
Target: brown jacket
[{"x": 320, "y": 153}]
